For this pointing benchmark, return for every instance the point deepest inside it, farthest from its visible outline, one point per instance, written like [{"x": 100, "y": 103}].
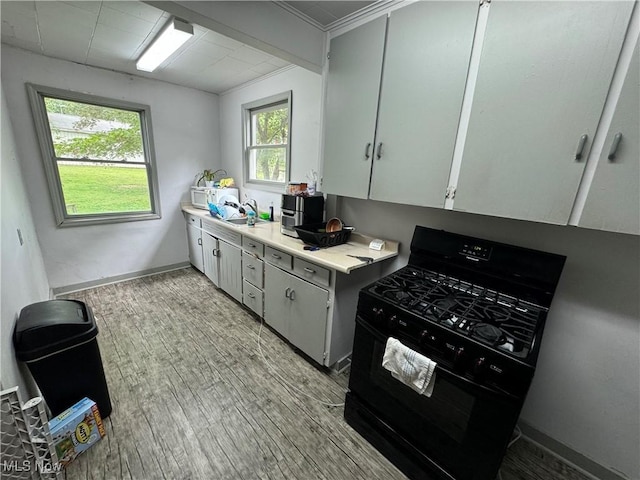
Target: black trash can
[{"x": 57, "y": 341}]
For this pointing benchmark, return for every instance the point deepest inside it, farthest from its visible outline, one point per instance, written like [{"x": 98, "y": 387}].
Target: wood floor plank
[{"x": 194, "y": 399}]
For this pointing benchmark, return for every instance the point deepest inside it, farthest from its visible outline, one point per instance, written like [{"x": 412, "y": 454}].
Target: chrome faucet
[{"x": 251, "y": 203}]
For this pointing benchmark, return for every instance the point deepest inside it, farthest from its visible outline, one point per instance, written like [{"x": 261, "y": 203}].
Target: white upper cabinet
[
  {"x": 355, "y": 66},
  {"x": 543, "y": 77},
  {"x": 425, "y": 70},
  {"x": 406, "y": 126},
  {"x": 613, "y": 199}
]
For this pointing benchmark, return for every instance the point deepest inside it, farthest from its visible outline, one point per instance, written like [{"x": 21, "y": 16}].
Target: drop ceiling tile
[
  {"x": 25, "y": 44},
  {"x": 63, "y": 41},
  {"x": 139, "y": 10},
  {"x": 124, "y": 43},
  {"x": 264, "y": 68},
  {"x": 191, "y": 62},
  {"x": 342, "y": 9},
  {"x": 232, "y": 65},
  {"x": 93, "y": 7},
  {"x": 65, "y": 13},
  {"x": 125, "y": 22},
  {"x": 278, "y": 62},
  {"x": 214, "y": 37},
  {"x": 202, "y": 47},
  {"x": 23, "y": 8},
  {"x": 250, "y": 55},
  {"x": 320, "y": 15},
  {"x": 22, "y": 27}
]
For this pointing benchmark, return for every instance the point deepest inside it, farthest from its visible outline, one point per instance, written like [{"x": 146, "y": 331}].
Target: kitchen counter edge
[{"x": 334, "y": 258}]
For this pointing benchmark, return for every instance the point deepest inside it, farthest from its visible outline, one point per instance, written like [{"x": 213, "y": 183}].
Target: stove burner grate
[{"x": 490, "y": 317}]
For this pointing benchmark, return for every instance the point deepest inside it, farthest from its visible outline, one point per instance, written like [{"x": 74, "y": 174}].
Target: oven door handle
[{"x": 439, "y": 368}]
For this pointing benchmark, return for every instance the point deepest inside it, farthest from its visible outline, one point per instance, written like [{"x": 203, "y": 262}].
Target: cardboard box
[{"x": 76, "y": 430}]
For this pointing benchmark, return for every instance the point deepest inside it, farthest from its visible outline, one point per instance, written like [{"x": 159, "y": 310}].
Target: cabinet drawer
[
  {"x": 193, "y": 220},
  {"x": 252, "y": 297},
  {"x": 312, "y": 272},
  {"x": 253, "y": 246},
  {"x": 224, "y": 233},
  {"x": 278, "y": 258},
  {"x": 252, "y": 269}
]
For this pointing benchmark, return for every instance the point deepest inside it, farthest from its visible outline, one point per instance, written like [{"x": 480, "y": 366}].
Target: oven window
[{"x": 448, "y": 409}]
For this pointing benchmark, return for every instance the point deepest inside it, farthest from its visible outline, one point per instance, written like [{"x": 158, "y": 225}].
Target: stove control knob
[
  {"x": 378, "y": 314},
  {"x": 393, "y": 322},
  {"x": 426, "y": 337},
  {"x": 480, "y": 367}
]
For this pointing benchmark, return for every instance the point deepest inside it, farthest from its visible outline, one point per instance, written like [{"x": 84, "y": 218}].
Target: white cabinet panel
[
  {"x": 425, "y": 69},
  {"x": 194, "y": 238},
  {"x": 297, "y": 310},
  {"x": 252, "y": 269},
  {"x": 613, "y": 201},
  {"x": 543, "y": 78},
  {"x": 355, "y": 67},
  {"x": 210, "y": 254},
  {"x": 230, "y": 264}
]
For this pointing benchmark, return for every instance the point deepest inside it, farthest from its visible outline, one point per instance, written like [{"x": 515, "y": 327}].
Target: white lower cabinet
[
  {"x": 230, "y": 265},
  {"x": 194, "y": 242},
  {"x": 210, "y": 257},
  {"x": 297, "y": 310},
  {"x": 252, "y": 297}
]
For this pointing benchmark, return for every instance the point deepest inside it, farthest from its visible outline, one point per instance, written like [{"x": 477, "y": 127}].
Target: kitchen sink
[{"x": 243, "y": 221}]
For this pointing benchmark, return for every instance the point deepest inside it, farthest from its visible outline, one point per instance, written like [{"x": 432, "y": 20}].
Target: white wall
[
  {"x": 586, "y": 390},
  {"x": 186, "y": 137},
  {"x": 23, "y": 277},
  {"x": 305, "y": 128}
]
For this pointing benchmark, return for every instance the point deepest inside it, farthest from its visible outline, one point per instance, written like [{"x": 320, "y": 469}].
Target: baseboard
[
  {"x": 118, "y": 278},
  {"x": 568, "y": 455}
]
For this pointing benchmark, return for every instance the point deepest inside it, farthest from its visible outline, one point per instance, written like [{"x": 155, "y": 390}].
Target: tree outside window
[
  {"x": 267, "y": 124},
  {"x": 98, "y": 157}
]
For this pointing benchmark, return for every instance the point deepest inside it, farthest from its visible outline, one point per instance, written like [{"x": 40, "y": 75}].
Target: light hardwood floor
[{"x": 193, "y": 398}]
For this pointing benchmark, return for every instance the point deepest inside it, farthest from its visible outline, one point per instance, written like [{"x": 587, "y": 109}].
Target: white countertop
[{"x": 334, "y": 258}]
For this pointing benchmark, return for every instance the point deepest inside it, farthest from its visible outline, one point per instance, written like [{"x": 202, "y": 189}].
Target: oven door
[{"x": 461, "y": 432}]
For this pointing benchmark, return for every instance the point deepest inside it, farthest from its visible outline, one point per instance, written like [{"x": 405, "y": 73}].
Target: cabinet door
[
  {"x": 308, "y": 318},
  {"x": 613, "y": 201},
  {"x": 276, "y": 302},
  {"x": 230, "y": 263},
  {"x": 194, "y": 238},
  {"x": 210, "y": 255},
  {"x": 355, "y": 66},
  {"x": 544, "y": 74},
  {"x": 425, "y": 70}
]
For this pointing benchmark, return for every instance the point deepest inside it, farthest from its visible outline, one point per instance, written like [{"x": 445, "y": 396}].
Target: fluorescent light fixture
[{"x": 172, "y": 36}]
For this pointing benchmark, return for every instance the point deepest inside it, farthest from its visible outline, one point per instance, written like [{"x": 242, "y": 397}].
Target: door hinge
[
  {"x": 324, "y": 355},
  {"x": 328, "y": 55},
  {"x": 328, "y": 303},
  {"x": 451, "y": 192}
]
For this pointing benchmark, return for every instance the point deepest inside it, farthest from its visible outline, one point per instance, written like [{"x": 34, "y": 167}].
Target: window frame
[
  {"x": 36, "y": 94},
  {"x": 284, "y": 98}
]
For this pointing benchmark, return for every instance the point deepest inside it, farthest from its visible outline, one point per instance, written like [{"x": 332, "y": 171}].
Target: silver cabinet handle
[
  {"x": 251, "y": 295},
  {"x": 215, "y": 252},
  {"x": 251, "y": 267},
  {"x": 199, "y": 241},
  {"x": 580, "y": 149},
  {"x": 276, "y": 256},
  {"x": 367, "y": 151},
  {"x": 251, "y": 245},
  {"x": 614, "y": 146},
  {"x": 292, "y": 295},
  {"x": 379, "y": 154},
  {"x": 287, "y": 292},
  {"x": 309, "y": 270}
]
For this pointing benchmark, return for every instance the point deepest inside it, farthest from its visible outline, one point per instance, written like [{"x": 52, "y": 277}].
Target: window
[
  {"x": 266, "y": 137},
  {"x": 98, "y": 157}
]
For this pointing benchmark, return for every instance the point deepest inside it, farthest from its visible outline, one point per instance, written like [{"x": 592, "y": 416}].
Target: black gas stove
[{"x": 478, "y": 309}]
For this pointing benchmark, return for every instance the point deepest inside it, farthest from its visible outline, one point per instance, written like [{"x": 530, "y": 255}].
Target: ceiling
[{"x": 113, "y": 34}]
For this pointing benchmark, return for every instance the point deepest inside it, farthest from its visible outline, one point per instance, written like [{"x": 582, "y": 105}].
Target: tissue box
[{"x": 76, "y": 430}]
